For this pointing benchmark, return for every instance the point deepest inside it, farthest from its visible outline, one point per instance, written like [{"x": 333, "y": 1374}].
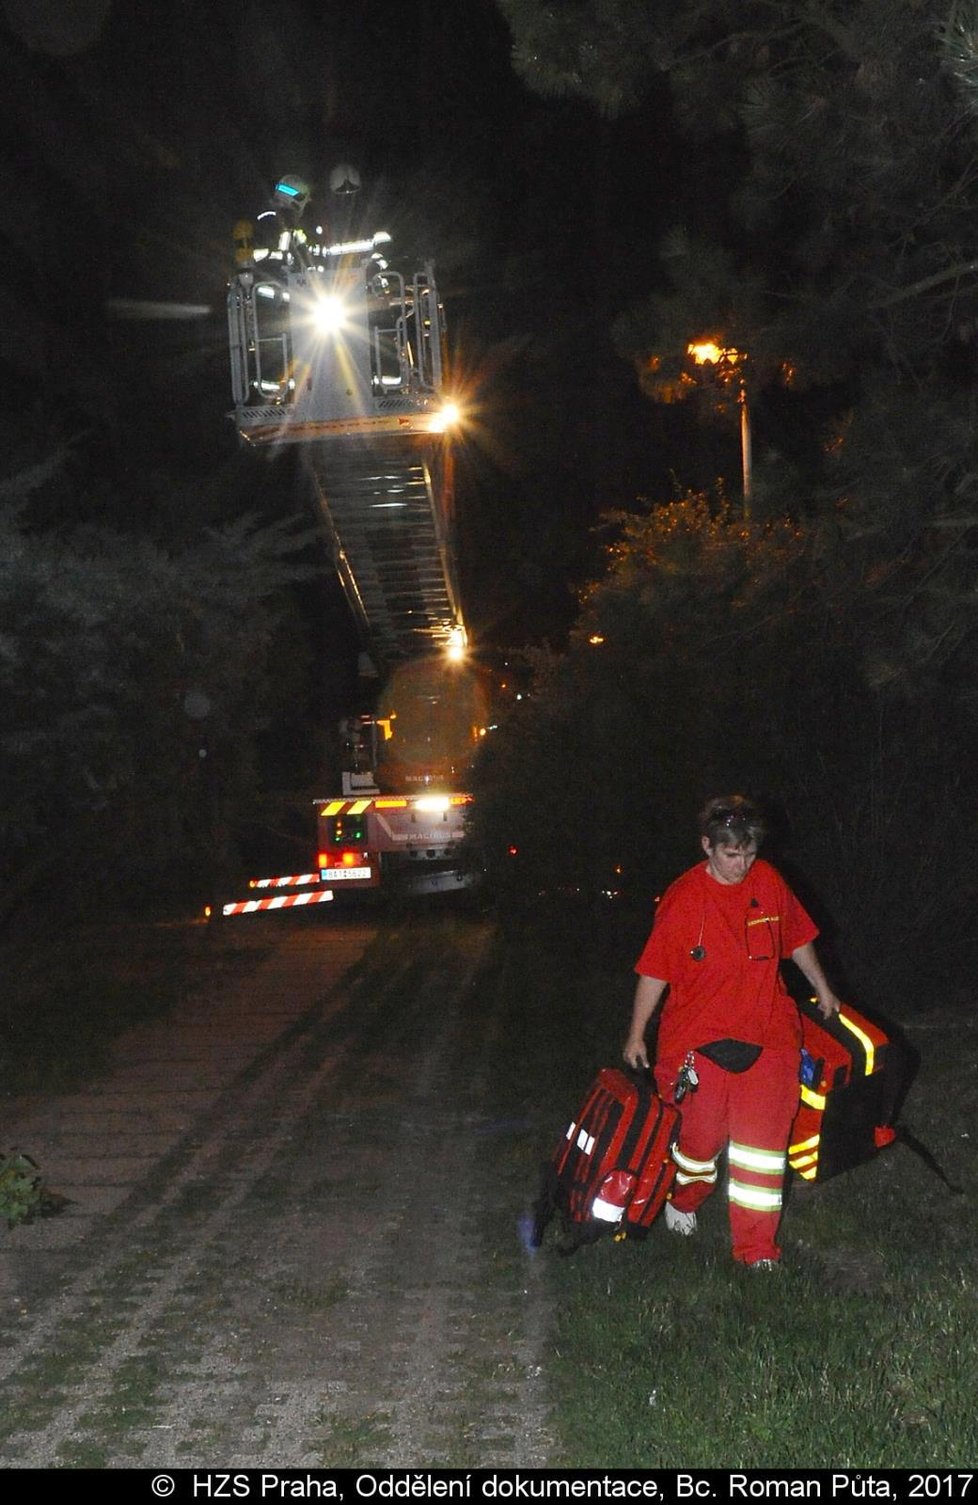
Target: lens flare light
[
  {"x": 447, "y": 417},
  {"x": 329, "y": 314}
]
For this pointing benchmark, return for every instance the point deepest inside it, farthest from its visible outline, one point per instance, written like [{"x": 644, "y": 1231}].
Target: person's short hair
[{"x": 732, "y": 820}]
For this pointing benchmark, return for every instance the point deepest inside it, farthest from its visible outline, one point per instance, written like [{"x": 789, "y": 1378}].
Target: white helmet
[
  {"x": 292, "y": 193},
  {"x": 344, "y": 180}
]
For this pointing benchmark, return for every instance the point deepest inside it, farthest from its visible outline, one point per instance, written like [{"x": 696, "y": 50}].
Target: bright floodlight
[
  {"x": 329, "y": 313},
  {"x": 456, "y": 644},
  {"x": 447, "y": 416},
  {"x": 432, "y": 804}
]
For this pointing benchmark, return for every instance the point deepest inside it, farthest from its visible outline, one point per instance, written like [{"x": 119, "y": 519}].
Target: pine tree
[{"x": 849, "y": 256}]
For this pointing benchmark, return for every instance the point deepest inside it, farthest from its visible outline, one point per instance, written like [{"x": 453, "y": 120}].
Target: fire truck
[
  {"x": 400, "y": 819},
  {"x": 411, "y": 843},
  {"x": 340, "y": 350}
]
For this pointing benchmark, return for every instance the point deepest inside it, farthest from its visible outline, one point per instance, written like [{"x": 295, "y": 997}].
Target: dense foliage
[
  {"x": 718, "y": 655},
  {"x": 135, "y": 680},
  {"x": 819, "y": 646}
]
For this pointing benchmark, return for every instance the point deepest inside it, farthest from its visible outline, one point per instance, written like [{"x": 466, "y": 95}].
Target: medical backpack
[{"x": 612, "y": 1170}]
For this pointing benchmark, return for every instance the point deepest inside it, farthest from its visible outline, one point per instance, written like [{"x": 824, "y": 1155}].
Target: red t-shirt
[{"x": 734, "y": 989}]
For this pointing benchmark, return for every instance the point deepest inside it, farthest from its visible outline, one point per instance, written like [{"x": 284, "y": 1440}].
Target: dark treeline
[{"x": 137, "y": 680}]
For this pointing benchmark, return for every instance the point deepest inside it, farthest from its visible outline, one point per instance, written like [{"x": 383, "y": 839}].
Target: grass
[{"x": 858, "y": 1352}]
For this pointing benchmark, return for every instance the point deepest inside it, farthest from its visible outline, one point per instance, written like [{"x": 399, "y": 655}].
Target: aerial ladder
[{"x": 336, "y": 349}]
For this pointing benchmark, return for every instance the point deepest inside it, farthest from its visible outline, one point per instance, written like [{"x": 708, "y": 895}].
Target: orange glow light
[
  {"x": 705, "y": 352},
  {"x": 709, "y": 353}
]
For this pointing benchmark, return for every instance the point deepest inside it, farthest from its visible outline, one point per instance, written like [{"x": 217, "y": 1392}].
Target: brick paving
[{"x": 292, "y": 1238}]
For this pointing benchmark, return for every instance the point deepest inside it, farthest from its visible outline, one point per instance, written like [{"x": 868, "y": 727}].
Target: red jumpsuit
[{"x": 719, "y": 946}]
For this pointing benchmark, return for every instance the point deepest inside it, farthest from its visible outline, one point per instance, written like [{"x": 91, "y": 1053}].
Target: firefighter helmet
[
  {"x": 344, "y": 180},
  {"x": 292, "y": 193}
]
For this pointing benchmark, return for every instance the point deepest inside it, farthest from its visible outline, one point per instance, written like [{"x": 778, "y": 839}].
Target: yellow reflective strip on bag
[{"x": 863, "y": 1039}]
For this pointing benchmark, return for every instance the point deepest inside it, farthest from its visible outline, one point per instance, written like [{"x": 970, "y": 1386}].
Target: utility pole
[{"x": 746, "y": 453}]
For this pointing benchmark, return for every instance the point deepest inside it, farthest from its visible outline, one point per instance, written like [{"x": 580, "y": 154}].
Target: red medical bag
[
  {"x": 612, "y": 1170},
  {"x": 850, "y": 1086}
]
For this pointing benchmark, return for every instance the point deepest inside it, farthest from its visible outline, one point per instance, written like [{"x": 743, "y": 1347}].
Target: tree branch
[{"x": 960, "y": 269}]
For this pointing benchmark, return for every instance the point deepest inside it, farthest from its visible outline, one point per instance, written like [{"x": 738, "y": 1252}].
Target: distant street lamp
[{"x": 728, "y": 367}]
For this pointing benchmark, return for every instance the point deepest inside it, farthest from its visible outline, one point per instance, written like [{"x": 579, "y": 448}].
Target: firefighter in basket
[{"x": 729, "y": 1036}]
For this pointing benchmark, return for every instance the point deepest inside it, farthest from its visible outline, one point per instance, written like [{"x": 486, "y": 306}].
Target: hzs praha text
[{"x": 666, "y": 1485}]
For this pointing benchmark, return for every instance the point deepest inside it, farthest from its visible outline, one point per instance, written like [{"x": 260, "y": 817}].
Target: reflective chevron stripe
[
  {"x": 803, "y": 1157},
  {"x": 426, "y": 803},
  {"x": 283, "y": 901}
]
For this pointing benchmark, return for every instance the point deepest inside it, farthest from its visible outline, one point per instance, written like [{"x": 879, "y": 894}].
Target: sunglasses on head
[{"x": 727, "y": 817}]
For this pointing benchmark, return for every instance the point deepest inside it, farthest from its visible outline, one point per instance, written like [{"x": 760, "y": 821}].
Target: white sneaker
[{"x": 680, "y": 1222}]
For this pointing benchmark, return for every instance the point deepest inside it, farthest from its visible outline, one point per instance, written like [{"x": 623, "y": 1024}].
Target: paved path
[
  {"x": 293, "y": 1231},
  {"x": 96, "y": 1145}
]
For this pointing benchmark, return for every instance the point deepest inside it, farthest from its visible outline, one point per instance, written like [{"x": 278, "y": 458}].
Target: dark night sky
[{"x": 140, "y": 132}]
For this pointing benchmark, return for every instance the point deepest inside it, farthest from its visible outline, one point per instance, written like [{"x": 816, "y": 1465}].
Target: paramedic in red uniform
[{"x": 728, "y": 1025}]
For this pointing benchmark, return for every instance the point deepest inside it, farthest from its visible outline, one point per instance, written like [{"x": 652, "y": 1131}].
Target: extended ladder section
[
  {"x": 388, "y": 507},
  {"x": 333, "y": 350}
]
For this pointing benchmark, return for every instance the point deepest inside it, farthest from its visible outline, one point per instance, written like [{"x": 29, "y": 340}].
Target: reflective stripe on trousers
[
  {"x": 756, "y": 1177},
  {"x": 689, "y": 1170}
]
